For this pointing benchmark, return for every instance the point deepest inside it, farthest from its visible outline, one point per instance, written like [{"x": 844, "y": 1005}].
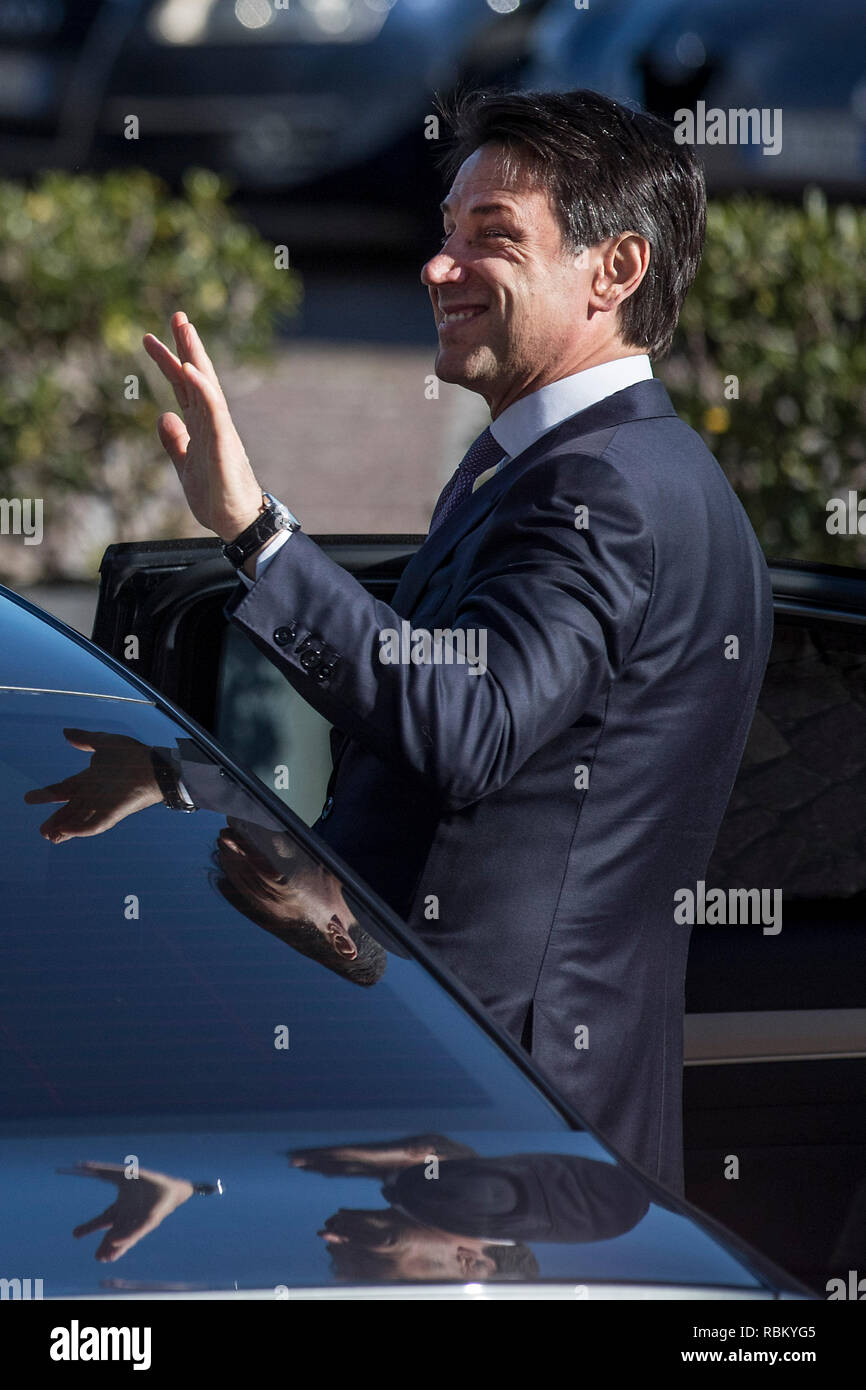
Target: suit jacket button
[{"x": 284, "y": 635}]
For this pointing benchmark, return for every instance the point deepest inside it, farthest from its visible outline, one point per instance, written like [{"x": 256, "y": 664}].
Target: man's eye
[{"x": 489, "y": 232}]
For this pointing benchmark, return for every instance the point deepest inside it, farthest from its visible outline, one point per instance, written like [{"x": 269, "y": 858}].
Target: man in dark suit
[{"x": 540, "y": 734}]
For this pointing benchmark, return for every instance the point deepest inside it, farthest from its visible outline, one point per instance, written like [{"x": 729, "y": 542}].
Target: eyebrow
[{"x": 481, "y": 209}]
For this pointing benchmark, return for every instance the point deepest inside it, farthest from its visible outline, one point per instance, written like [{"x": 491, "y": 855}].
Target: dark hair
[
  {"x": 304, "y": 936},
  {"x": 359, "y": 1263},
  {"x": 607, "y": 169},
  {"x": 368, "y": 965},
  {"x": 512, "y": 1261}
]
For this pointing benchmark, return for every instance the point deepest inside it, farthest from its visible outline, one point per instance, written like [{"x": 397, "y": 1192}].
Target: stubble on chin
[{"x": 471, "y": 370}]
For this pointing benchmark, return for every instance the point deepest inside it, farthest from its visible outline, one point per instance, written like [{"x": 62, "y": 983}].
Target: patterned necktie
[{"x": 478, "y": 457}]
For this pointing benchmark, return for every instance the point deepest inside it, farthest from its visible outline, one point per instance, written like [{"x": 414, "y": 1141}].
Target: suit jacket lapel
[
  {"x": 443, "y": 540},
  {"x": 645, "y": 400}
]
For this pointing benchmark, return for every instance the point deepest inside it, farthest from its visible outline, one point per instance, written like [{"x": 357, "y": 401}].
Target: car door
[
  {"x": 775, "y": 1034},
  {"x": 160, "y": 611}
]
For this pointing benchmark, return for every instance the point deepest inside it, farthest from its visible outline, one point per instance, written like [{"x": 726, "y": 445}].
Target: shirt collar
[{"x": 522, "y": 423}]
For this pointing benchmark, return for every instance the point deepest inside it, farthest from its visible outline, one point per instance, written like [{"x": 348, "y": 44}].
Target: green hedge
[
  {"x": 769, "y": 364},
  {"x": 87, "y": 265},
  {"x": 780, "y": 304}
]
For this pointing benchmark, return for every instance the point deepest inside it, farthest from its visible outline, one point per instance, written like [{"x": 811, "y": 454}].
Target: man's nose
[{"x": 441, "y": 269}]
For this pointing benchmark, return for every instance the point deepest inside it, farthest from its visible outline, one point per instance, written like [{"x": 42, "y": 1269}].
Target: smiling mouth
[{"x": 452, "y": 317}]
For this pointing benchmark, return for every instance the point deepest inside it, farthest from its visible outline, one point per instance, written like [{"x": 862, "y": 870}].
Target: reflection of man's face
[
  {"x": 405, "y": 1250},
  {"x": 286, "y": 891}
]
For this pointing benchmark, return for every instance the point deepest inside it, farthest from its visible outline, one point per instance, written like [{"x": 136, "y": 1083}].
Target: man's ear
[
  {"x": 473, "y": 1264},
  {"x": 340, "y": 939},
  {"x": 623, "y": 263}
]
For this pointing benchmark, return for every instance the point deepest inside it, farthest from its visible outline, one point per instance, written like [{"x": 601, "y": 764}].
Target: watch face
[{"x": 282, "y": 515}]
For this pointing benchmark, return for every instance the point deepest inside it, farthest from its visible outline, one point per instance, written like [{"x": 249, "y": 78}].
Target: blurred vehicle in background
[
  {"x": 54, "y": 59},
  {"x": 806, "y": 60},
  {"x": 315, "y": 112}
]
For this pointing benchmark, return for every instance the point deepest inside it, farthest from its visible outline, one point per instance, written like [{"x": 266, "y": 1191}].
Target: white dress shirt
[{"x": 524, "y": 422}]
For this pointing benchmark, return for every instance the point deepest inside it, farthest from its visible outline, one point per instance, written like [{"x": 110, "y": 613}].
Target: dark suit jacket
[
  {"x": 609, "y": 647},
  {"x": 551, "y": 1198}
]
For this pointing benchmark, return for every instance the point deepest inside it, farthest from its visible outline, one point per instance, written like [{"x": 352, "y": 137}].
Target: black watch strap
[
  {"x": 166, "y": 780},
  {"x": 274, "y": 518}
]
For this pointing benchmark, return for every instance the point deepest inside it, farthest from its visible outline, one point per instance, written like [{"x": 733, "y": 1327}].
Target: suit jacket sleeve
[
  {"x": 560, "y": 605},
  {"x": 211, "y": 788}
]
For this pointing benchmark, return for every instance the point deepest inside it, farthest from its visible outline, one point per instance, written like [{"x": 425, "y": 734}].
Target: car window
[
  {"x": 269, "y": 729},
  {"x": 796, "y": 814}
]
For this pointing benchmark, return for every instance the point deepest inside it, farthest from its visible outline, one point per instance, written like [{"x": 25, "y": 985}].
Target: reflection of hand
[
  {"x": 142, "y": 1204},
  {"x": 119, "y": 780},
  {"x": 376, "y": 1160}
]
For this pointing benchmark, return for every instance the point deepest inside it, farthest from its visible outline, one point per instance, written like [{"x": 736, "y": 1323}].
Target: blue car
[{"x": 231, "y": 1071}]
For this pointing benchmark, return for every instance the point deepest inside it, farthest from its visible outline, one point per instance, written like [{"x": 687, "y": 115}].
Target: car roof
[{"x": 38, "y": 652}]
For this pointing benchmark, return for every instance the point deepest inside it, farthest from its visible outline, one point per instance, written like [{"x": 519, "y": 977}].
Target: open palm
[{"x": 205, "y": 448}]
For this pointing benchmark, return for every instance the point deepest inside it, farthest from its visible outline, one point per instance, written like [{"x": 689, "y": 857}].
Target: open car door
[{"x": 160, "y": 608}]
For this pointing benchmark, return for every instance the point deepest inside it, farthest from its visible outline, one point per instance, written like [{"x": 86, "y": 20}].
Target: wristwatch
[
  {"x": 274, "y": 517},
  {"x": 169, "y": 784}
]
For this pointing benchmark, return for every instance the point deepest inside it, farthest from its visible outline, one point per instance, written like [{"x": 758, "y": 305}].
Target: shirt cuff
[{"x": 265, "y": 557}]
